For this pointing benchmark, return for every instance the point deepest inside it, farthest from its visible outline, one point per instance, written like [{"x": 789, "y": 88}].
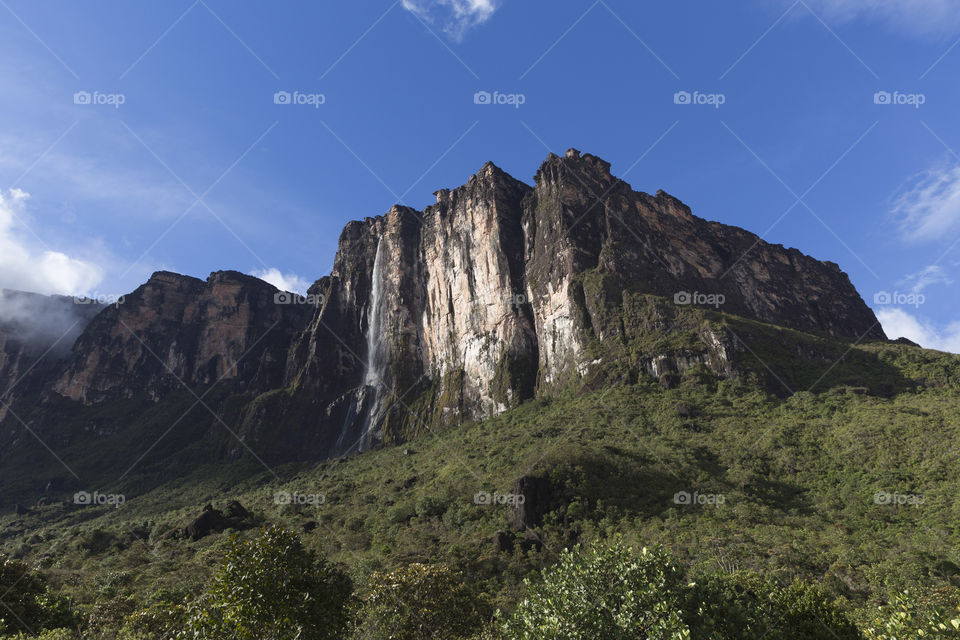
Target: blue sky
[{"x": 826, "y": 125}]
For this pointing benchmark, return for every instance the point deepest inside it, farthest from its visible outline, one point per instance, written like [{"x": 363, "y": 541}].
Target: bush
[
  {"x": 749, "y": 606},
  {"x": 613, "y": 592},
  {"x": 419, "y": 601},
  {"x": 49, "y": 634},
  {"x": 20, "y": 589},
  {"x": 607, "y": 592},
  {"x": 269, "y": 588},
  {"x": 915, "y": 615}
]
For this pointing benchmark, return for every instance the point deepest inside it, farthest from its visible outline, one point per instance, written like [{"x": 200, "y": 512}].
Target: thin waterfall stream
[{"x": 377, "y": 349}]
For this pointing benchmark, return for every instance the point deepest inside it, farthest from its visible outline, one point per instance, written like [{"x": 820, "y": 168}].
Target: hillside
[
  {"x": 514, "y": 371},
  {"x": 499, "y": 293},
  {"x": 808, "y": 484}
]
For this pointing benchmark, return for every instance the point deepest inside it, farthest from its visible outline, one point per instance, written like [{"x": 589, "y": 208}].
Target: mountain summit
[{"x": 498, "y": 293}]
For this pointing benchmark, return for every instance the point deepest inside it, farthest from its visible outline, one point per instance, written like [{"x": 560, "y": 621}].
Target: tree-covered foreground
[{"x": 271, "y": 587}]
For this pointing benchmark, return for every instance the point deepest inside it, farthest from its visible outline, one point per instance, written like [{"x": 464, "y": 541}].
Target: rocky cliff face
[
  {"x": 500, "y": 290},
  {"x": 36, "y": 333},
  {"x": 497, "y": 293},
  {"x": 177, "y": 331}
]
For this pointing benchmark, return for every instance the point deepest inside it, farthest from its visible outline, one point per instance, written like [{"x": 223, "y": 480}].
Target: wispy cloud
[
  {"x": 914, "y": 17},
  {"x": 25, "y": 266},
  {"x": 898, "y": 323},
  {"x": 455, "y": 17},
  {"x": 928, "y": 207},
  {"x": 283, "y": 281},
  {"x": 926, "y": 277}
]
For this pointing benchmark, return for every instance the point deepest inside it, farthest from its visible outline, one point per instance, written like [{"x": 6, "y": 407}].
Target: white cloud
[
  {"x": 285, "y": 282},
  {"x": 456, "y": 17},
  {"x": 915, "y": 17},
  {"x": 26, "y": 267},
  {"x": 898, "y": 323},
  {"x": 928, "y": 207},
  {"x": 926, "y": 277}
]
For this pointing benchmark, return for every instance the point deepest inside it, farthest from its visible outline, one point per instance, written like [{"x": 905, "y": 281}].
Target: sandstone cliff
[{"x": 499, "y": 292}]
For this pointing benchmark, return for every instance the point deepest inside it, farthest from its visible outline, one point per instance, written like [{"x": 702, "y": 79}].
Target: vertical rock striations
[{"x": 496, "y": 293}]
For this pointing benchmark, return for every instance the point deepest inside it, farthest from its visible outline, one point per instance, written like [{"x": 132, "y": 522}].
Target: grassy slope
[
  {"x": 798, "y": 444},
  {"x": 798, "y": 476}
]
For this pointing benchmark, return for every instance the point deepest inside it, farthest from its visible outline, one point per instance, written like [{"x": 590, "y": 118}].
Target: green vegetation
[
  {"x": 614, "y": 592},
  {"x": 268, "y": 588},
  {"x": 419, "y": 601},
  {"x": 815, "y": 462}
]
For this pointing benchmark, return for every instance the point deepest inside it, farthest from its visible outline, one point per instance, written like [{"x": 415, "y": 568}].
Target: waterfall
[{"x": 377, "y": 350}]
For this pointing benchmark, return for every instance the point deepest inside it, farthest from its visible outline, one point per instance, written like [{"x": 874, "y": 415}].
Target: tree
[
  {"x": 271, "y": 588},
  {"x": 419, "y": 601},
  {"x": 746, "y": 605},
  {"x": 20, "y": 589},
  {"x": 606, "y": 592},
  {"x": 915, "y": 614},
  {"x": 614, "y": 593}
]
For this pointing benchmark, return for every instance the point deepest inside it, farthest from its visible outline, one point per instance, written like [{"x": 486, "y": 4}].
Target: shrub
[
  {"x": 915, "y": 615},
  {"x": 749, "y": 606},
  {"x": 419, "y": 601},
  {"x": 19, "y": 588},
  {"x": 607, "y": 592},
  {"x": 271, "y": 588},
  {"x": 613, "y": 592}
]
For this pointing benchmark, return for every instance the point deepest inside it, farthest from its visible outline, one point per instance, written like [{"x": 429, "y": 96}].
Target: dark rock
[
  {"x": 210, "y": 521},
  {"x": 503, "y": 541},
  {"x": 235, "y": 511},
  {"x": 906, "y": 341},
  {"x": 530, "y": 541},
  {"x": 214, "y": 521},
  {"x": 535, "y": 502}
]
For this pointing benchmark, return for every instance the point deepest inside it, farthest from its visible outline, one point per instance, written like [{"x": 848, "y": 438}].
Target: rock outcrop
[
  {"x": 36, "y": 333},
  {"x": 177, "y": 330},
  {"x": 498, "y": 292}
]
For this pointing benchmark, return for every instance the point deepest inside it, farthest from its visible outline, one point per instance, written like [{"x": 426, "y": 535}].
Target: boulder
[
  {"x": 234, "y": 516},
  {"x": 534, "y": 497},
  {"x": 503, "y": 541}
]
